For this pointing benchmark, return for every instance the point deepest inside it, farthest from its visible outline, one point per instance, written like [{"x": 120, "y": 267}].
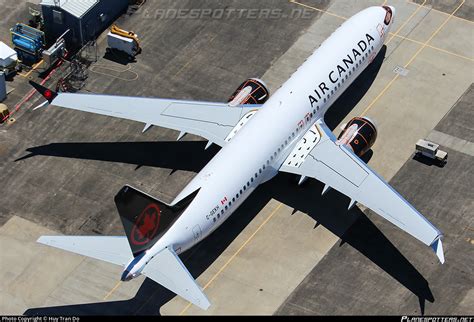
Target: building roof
[
  {"x": 7, "y": 55},
  {"x": 77, "y": 8}
]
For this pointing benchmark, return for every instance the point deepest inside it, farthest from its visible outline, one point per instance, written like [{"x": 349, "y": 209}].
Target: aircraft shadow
[
  {"x": 181, "y": 155},
  {"x": 330, "y": 211},
  {"x": 354, "y": 228}
]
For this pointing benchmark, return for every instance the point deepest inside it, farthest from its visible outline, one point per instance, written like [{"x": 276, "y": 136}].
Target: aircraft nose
[
  {"x": 389, "y": 14},
  {"x": 126, "y": 276}
]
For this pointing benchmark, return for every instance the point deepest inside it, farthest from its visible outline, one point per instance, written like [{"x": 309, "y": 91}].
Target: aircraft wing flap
[
  {"x": 328, "y": 155},
  {"x": 342, "y": 170}
]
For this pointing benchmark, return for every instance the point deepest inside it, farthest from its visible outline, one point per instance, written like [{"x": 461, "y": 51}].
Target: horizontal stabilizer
[
  {"x": 169, "y": 271},
  {"x": 112, "y": 249}
]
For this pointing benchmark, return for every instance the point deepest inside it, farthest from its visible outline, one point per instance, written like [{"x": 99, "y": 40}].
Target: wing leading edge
[{"x": 339, "y": 168}]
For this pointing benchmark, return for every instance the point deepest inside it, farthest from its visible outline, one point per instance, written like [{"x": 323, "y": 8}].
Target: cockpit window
[{"x": 388, "y": 15}]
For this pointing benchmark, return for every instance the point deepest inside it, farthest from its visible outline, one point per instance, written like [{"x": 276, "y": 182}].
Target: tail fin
[
  {"x": 146, "y": 219},
  {"x": 46, "y": 92}
]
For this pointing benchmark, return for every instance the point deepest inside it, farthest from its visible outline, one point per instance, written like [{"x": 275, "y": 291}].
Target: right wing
[
  {"x": 212, "y": 121},
  {"x": 318, "y": 156}
]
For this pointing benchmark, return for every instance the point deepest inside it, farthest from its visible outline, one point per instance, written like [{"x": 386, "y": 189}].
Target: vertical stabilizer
[{"x": 145, "y": 219}]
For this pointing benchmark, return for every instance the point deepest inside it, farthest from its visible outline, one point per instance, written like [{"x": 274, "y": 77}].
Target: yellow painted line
[
  {"x": 392, "y": 34},
  {"x": 380, "y": 95},
  {"x": 182, "y": 68},
  {"x": 444, "y": 13},
  {"x": 435, "y": 48},
  {"x": 406, "y": 21},
  {"x": 32, "y": 69},
  {"x": 112, "y": 290},
  {"x": 235, "y": 254},
  {"x": 434, "y": 34},
  {"x": 410, "y": 61}
]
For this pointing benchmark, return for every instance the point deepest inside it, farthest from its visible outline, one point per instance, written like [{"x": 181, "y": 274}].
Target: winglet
[
  {"x": 46, "y": 92},
  {"x": 438, "y": 249}
]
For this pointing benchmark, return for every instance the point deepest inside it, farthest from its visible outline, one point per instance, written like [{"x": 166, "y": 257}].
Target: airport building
[{"x": 86, "y": 19}]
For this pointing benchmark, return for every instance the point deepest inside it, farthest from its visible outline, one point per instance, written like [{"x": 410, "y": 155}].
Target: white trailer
[{"x": 124, "y": 44}]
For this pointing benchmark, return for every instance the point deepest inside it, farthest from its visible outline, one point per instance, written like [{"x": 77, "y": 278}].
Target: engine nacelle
[
  {"x": 359, "y": 134},
  {"x": 252, "y": 91}
]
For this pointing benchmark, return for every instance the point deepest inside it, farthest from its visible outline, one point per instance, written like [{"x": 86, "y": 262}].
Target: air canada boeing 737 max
[{"x": 260, "y": 136}]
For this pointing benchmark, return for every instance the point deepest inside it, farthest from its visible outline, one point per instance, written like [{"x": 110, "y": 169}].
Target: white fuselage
[{"x": 256, "y": 152}]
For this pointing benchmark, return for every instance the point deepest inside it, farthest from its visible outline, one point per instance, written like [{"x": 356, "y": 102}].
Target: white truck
[{"x": 431, "y": 150}]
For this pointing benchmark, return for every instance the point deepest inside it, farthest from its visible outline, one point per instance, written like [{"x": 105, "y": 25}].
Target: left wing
[
  {"x": 318, "y": 156},
  {"x": 212, "y": 121}
]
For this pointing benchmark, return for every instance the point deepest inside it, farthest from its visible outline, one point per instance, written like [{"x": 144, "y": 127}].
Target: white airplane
[{"x": 260, "y": 136}]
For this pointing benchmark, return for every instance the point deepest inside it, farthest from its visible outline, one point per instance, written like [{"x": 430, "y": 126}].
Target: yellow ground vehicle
[{"x": 122, "y": 40}]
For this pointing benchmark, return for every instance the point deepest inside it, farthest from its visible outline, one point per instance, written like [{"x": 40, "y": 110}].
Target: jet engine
[
  {"x": 359, "y": 134},
  {"x": 252, "y": 91}
]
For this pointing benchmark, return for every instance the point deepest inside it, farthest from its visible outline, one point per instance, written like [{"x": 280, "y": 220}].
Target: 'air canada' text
[{"x": 338, "y": 72}]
